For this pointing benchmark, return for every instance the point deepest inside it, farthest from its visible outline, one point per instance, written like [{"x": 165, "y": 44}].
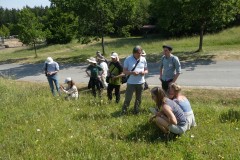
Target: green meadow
[{"x": 36, "y": 125}]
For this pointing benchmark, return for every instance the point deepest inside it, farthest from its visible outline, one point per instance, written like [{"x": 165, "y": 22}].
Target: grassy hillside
[
  {"x": 35, "y": 125},
  {"x": 223, "y": 45}
]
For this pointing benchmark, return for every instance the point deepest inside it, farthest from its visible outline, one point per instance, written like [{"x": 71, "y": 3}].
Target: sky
[{"x": 19, "y": 4}]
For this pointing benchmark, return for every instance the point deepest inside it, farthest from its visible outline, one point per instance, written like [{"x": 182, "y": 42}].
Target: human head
[
  {"x": 92, "y": 60},
  {"x": 49, "y": 60},
  {"x": 137, "y": 51},
  {"x": 68, "y": 79},
  {"x": 158, "y": 95},
  {"x": 174, "y": 90},
  {"x": 114, "y": 56},
  {"x": 167, "y": 50}
]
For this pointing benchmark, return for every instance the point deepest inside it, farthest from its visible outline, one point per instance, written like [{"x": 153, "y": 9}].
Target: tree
[
  {"x": 30, "y": 29},
  {"x": 4, "y": 32},
  {"x": 189, "y": 15},
  {"x": 60, "y": 26}
]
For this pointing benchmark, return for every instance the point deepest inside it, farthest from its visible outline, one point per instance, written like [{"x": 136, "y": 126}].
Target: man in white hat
[{"x": 51, "y": 69}]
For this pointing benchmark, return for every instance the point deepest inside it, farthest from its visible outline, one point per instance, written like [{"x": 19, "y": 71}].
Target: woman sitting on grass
[
  {"x": 71, "y": 90},
  {"x": 169, "y": 117},
  {"x": 182, "y": 101}
]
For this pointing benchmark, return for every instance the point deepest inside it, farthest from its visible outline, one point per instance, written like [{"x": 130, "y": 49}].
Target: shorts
[{"x": 177, "y": 129}]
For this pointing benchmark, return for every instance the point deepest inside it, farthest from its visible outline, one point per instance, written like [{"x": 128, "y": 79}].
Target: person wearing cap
[
  {"x": 51, "y": 68},
  {"x": 170, "y": 67},
  {"x": 94, "y": 71},
  {"x": 71, "y": 89},
  {"x": 104, "y": 66},
  {"x": 115, "y": 74},
  {"x": 136, "y": 67}
]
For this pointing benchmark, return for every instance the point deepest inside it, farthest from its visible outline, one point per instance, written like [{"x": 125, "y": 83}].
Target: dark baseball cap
[{"x": 168, "y": 47}]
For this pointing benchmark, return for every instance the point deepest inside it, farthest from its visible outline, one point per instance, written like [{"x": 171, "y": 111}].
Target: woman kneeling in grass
[
  {"x": 169, "y": 117},
  {"x": 71, "y": 89},
  {"x": 183, "y": 102}
]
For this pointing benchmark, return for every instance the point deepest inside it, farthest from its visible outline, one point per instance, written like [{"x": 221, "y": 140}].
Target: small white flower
[
  {"x": 192, "y": 136},
  {"x": 38, "y": 130},
  {"x": 236, "y": 128}
]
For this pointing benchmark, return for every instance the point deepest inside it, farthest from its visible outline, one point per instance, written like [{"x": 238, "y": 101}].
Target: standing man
[
  {"x": 115, "y": 73},
  {"x": 104, "y": 66},
  {"x": 51, "y": 69},
  {"x": 170, "y": 67},
  {"x": 135, "y": 66}
]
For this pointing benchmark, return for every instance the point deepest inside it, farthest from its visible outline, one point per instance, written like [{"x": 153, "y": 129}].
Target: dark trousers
[
  {"x": 93, "y": 84},
  {"x": 110, "y": 89},
  {"x": 165, "y": 84}
]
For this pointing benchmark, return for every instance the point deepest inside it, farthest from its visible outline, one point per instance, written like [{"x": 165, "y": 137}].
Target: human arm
[{"x": 170, "y": 117}]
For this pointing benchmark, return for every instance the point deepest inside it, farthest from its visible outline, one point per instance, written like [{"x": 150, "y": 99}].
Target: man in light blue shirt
[
  {"x": 135, "y": 66},
  {"x": 51, "y": 69},
  {"x": 170, "y": 67}
]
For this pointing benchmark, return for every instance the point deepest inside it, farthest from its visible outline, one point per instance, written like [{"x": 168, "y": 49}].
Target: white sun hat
[
  {"x": 68, "y": 79},
  {"x": 143, "y": 53},
  {"x": 92, "y": 60},
  {"x": 114, "y": 55},
  {"x": 49, "y": 60}
]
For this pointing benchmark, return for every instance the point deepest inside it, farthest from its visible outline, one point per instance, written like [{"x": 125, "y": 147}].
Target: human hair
[
  {"x": 176, "y": 88},
  {"x": 72, "y": 83},
  {"x": 137, "y": 48},
  {"x": 160, "y": 96}
]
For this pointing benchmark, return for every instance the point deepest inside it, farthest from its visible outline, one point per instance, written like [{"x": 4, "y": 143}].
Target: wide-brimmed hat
[
  {"x": 68, "y": 79},
  {"x": 144, "y": 53},
  {"x": 168, "y": 47},
  {"x": 49, "y": 60},
  {"x": 114, "y": 55},
  {"x": 92, "y": 60}
]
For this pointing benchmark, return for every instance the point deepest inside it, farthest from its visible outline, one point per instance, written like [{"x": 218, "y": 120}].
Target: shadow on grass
[
  {"x": 147, "y": 132},
  {"x": 230, "y": 116}
]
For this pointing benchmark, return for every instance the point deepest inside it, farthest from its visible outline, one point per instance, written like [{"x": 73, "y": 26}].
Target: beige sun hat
[
  {"x": 92, "y": 60},
  {"x": 144, "y": 53},
  {"x": 49, "y": 60}
]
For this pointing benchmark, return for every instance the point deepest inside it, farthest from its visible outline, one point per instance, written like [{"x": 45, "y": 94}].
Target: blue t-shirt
[
  {"x": 170, "y": 66},
  {"x": 177, "y": 111},
  {"x": 184, "y": 104},
  {"x": 129, "y": 64}
]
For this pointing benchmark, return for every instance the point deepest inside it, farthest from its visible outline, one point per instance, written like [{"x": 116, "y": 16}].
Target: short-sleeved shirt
[
  {"x": 94, "y": 70},
  {"x": 116, "y": 69},
  {"x": 170, "y": 65},
  {"x": 51, "y": 67},
  {"x": 129, "y": 64}
]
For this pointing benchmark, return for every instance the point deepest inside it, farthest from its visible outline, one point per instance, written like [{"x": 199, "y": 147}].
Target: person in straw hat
[{"x": 94, "y": 71}]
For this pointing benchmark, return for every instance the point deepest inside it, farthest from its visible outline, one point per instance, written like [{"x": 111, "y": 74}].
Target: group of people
[{"x": 173, "y": 112}]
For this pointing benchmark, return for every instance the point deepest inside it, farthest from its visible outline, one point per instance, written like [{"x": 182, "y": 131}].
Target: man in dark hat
[{"x": 170, "y": 67}]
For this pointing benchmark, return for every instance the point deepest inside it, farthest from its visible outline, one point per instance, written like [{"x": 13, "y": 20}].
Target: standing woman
[
  {"x": 51, "y": 68},
  {"x": 94, "y": 71},
  {"x": 169, "y": 117},
  {"x": 183, "y": 102},
  {"x": 71, "y": 89}
]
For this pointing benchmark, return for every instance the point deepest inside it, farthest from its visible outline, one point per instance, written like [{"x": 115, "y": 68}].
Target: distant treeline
[{"x": 65, "y": 20}]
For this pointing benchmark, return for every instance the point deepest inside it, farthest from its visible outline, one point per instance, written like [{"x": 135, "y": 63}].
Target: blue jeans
[{"x": 53, "y": 79}]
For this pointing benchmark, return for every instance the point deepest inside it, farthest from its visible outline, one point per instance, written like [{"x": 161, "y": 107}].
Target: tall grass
[
  {"x": 214, "y": 44},
  {"x": 35, "y": 125}
]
